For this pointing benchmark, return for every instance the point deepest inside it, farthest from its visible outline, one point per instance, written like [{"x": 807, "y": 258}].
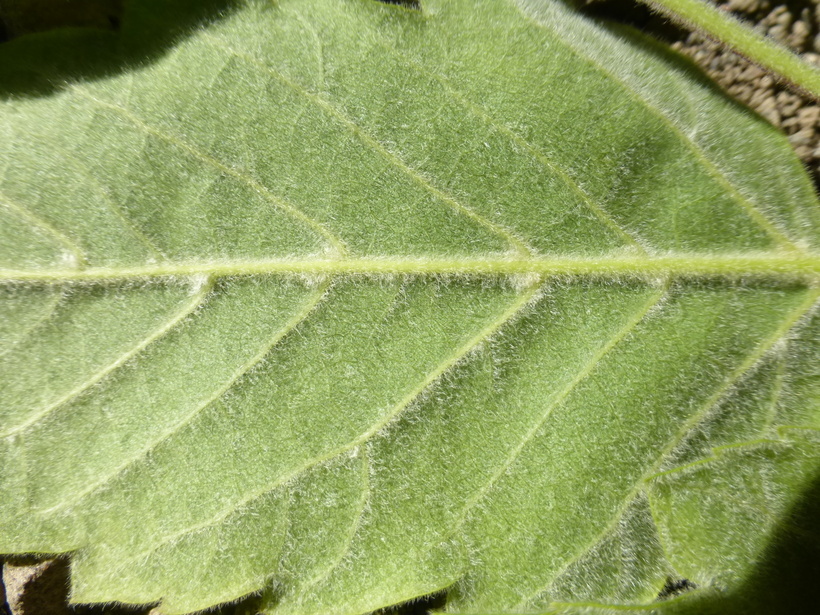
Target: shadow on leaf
[
  {"x": 42, "y": 62},
  {"x": 785, "y": 581}
]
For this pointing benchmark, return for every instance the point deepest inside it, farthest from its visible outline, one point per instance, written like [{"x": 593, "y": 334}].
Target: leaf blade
[{"x": 424, "y": 295}]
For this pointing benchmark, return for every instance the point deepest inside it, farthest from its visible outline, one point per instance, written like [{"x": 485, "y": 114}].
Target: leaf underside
[{"x": 351, "y": 303}]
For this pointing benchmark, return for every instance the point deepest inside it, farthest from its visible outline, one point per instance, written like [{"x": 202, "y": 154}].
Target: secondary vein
[
  {"x": 620, "y": 335},
  {"x": 38, "y": 223},
  {"x": 378, "y": 148},
  {"x": 186, "y": 310},
  {"x": 607, "y": 219},
  {"x": 309, "y": 305},
  {"x": 507, "y": 316},
  {"x": 335, "y": 243},
  {"x": 762, "y": 350},
  {"x": 718, "y": 174}
]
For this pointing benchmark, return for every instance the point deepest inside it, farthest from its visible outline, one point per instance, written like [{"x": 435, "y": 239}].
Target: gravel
[{"x": 795, "y": 24}]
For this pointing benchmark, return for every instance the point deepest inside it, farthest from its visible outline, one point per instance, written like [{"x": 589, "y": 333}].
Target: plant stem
[{"x": 742, "y": 39}]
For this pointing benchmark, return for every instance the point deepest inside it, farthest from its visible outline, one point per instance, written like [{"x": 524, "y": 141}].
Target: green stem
[{"x": 745, "y": 41}]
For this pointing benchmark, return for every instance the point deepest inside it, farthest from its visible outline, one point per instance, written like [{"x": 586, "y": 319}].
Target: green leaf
[{"x": 354, "y": 303}]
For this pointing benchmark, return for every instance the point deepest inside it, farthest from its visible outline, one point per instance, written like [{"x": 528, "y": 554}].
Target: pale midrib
[{"x": 778, "y": 264}]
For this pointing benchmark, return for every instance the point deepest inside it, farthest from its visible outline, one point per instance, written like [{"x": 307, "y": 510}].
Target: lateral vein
[
  {"x": 606, "y": 218},
  {"x": 718, "y": 174},
  {"x": 378, "y": 148},
  {"x": 444, "y": 366},
  {"x": 38, "y": 223},
  {"x": 167, "y": 326},
  {"x": 739, "y": 372},
  {"x": 588, "y": 369},
  {"x": 22, "y": 334},
  {"x": 336, "y": 244},
  {"x": 313, "y": 300}
]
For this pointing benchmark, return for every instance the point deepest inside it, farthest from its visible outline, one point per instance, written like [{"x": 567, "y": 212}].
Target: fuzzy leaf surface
[{"x": 350, "y": 303}]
